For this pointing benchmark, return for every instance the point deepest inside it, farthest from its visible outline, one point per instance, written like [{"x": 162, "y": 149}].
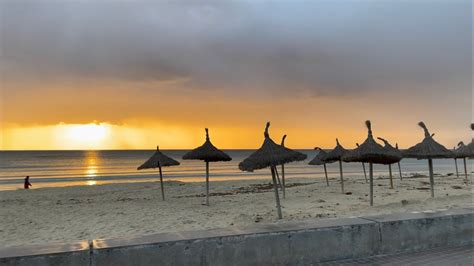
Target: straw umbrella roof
[
  {"x": 371, "y": 151},
  {"x": 462, "y": 151},
  {"x": 207, "y": 152},
  {"x": 349, "y": 154},
  {"x": 283, "y": 140},
  {"x": 394, "y": 151},
  {"x": 470, "y": 146},
  {"x": 270, "y": 154},
  {"x": 158, "y": 159},
  {"x": 428, "y": 148},
  {"x": 337, "y": 153},
  {"x": 320, "y": 158}
]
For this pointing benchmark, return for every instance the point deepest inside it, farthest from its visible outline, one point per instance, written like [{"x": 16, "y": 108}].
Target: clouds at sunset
[{"x": 219, "y": 64}]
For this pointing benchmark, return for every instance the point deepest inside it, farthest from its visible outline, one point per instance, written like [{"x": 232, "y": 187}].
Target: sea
[{"x": 95, "y": 167}]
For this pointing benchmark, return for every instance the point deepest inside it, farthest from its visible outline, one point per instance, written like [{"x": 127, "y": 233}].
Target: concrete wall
[
  {"x": 295, "y": 243},
  {"x": 281, "y": 244},
  {"x": 74, "y": 254},
  {"x": 420, "y": 231}
]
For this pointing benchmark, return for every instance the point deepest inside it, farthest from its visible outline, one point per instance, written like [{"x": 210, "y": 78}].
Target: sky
[{"x": 136, "y": 74}]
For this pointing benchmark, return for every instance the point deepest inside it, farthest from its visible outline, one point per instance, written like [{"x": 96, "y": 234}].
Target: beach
[{"x": 63, "y": 214}]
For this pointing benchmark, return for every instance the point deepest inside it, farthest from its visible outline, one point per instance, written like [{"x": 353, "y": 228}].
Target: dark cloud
[{"x": 323, "y": 47}]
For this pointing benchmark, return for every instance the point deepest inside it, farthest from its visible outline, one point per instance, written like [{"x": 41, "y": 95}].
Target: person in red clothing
[{"x": 27, "y": 182}]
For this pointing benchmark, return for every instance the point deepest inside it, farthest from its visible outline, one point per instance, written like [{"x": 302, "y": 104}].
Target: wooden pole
[
  {"x": 456, "y": 163},
  {"x": 400, "y": 171},
  {"x": 207, "y": 183},
  {"x": 278, "y": 178},
  {"x": 342, "y": 177},
  {"x": 465, "y": 167},
  {"x": 390, "y": 172},
  {"x": 371, "y": 177},
  {"x": 161, "y": 183},
  {"x": 326, "y": 174},
  {"x": 365, "y": 174},
  {"x": 277, "y": 198},
  {"x": 283, "y": 179},
  {"x": 430, "y": 166}
]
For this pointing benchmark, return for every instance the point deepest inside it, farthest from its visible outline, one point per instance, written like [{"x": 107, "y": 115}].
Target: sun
[{"x": 89, "y": 135}]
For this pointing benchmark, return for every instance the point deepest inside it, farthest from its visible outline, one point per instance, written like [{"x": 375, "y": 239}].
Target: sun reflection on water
[
  {"x": 91, "y": 183},
  {"x": 92, "y": 168},
  {"x": 91, "y": 171}
]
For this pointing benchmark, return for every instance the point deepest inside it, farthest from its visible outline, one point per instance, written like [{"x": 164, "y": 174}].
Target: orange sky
[
  {"x": 86, "y": 75},
  {"x": 308, "y": 122}
]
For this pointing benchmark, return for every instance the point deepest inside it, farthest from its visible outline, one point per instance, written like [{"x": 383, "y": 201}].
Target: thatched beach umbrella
[
  {"x": 283, "y": 168},
  {"x": 363, "y": 167},
  {"x": 390, "y": 149},
  {"x": 320, "y": 159},
  {"x": 158, "y": 159},
  {"x": 463, "y": 152},
  {"x": 208, "y": 153},
  {"x": 456, "y": 162},
  {"x": 280, "y": 183},
  {"x": 428, "y": 149},
  {"x": 371, "y": 152},
  {"x": 336, "y": 155},
  {"x": 399, "y": 167},
  {"x": 270, "y": 155},
  {"x": 470, "y": 146}
]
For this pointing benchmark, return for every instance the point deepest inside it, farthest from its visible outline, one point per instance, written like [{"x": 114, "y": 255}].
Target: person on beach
[{"x": 27, "y": 184}]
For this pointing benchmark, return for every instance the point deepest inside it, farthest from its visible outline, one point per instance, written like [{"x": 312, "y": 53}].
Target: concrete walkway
[{"x": 463, "y": 255}]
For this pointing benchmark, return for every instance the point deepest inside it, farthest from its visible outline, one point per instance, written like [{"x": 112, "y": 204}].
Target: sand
[{"x": 119, "y": 210}]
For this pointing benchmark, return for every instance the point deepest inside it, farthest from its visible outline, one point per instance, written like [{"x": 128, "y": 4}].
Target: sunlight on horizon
[
  {"x": 146, "y": 135},
  {"x": 96, "y": 136},
  {"x": 90, "y": 135}
]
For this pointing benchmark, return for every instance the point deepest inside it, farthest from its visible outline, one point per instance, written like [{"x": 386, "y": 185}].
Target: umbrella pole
[
  {"x": 278, "y": 178},
  {"x": 283, "y": 179},
  {"x": 456, "y": 163},
  {"x": 465, "y": 167},
  {"x": 277, "y": 198},
  {"x": 326, "y": 174},
  {"x": 207, "y": 183},
  {"x": 342, "y": 177},
  {"x": 390, "y": 172},
  {"x": 161, "y": 183},
  {"x": 371, "y": 177},
  {"x": 430, "y": 166},
  {"x": 400, "y": 171},
  {"x": 365, "y": 174}
]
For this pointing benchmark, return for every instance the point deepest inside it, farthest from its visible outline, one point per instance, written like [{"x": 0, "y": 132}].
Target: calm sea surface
[{"x": 69, "y": 168}]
